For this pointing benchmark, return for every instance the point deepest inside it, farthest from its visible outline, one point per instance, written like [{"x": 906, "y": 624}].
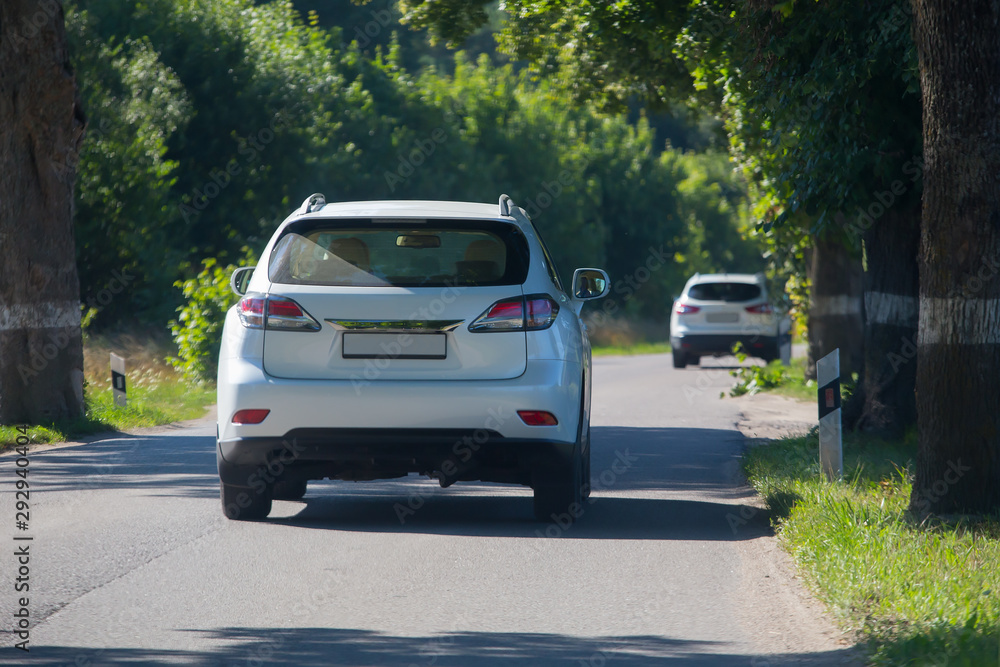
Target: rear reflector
[
  {"x": 537, "y": 418},
  {"x": 250, "y": 416}
]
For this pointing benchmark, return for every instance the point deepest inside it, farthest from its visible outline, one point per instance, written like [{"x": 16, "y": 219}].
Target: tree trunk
[
  {"x": 41, "y": 125},
  {"x": 958, "y": 352},
  {"x": 884, "y": 401},
  {"x": 835, "y": 306}
]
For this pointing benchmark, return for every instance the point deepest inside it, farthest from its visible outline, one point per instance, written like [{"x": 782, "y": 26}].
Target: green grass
[
  {"x": 156, "y": 394},
  {"x": 634, "y": 348},
  {"x": 795, "y": 385},
  {"x": 917, "y": 593}
]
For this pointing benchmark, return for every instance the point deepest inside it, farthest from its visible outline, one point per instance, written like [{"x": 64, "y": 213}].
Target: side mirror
[
  {"x": 240, "y": 279},
  {"x": 590, "y": 284}
]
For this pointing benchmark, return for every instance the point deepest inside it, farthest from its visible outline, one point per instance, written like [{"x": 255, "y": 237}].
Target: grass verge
[
  {"x": 918, "y": 594},
  {"x": 156, "y": 392},
  {"x": 629, "y": 349}
]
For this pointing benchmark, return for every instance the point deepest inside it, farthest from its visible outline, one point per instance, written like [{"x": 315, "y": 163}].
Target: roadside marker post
[
  {"x": 118, "y": 380},
  {"x": 831, "y": 445}
]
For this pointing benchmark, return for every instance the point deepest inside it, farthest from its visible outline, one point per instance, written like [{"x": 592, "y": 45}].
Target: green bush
[
  {"x": 751, "y": 379},
  {"x": 197, "y": 331}
]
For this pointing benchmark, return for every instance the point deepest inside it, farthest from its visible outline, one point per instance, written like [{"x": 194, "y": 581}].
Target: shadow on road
[
  {"x": 326, "y": 646},
  {"x": 632, "y": 469}
]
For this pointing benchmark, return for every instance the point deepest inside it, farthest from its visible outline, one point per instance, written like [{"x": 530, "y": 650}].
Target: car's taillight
[
  {"x": 282, "y": 314},
  {"x": 286, "y": 315},
  {"x": 253, "y": 416},
  {"x": 509, "y": 314},
  {"x": 251, "y": 310},
  {"x": 537, "y": 418},
  {"x": 684, "y": 309},
  {"x": 762, "y": 309}
]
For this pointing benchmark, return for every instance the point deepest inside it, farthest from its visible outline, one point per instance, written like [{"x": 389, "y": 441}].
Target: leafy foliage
[
  {"x": 211, "y": 120},
  {"x": 752, "y": 379},
  {"x": 197, "y": 331}
]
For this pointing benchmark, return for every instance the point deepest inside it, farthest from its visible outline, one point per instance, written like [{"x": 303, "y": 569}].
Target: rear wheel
[
  {"x": 241, "y": 503},
  {"x": 680, "y": 359},
  {"x": 289, "y": 490},
  {"x": 771, "y": 352},
  {"x": 560, "y": 490},
  {"x": 559, "y": 493}
]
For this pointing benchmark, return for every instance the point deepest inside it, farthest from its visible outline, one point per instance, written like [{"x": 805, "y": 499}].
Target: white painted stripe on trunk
[
  {"x": 882, "y": 308},
  {"x": 47, "y": 315},
  {"x": 959, "y": 321},
  {"x": 841, "y": 304}
]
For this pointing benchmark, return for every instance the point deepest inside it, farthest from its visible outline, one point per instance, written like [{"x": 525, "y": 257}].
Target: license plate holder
[{"x": 395, "y": 345}]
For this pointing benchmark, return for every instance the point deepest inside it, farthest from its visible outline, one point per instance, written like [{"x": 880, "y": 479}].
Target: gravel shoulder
[{"x": 796, "y": 618}]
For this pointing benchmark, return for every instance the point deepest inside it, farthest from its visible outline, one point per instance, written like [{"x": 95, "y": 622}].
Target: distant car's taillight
[
  {"x": 509, "y": 314},
  {"x": 281, "y": 314},
  {"x": 762, "y": 309},
  {"x": 684, "y": 309}
]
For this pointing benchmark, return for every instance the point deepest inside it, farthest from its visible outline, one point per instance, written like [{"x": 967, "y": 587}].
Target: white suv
[
  {"x": 377, "y": 339},
  {"x": 714, "y": 312}
]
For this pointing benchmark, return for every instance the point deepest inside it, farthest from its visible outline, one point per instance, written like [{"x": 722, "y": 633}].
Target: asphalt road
[{"x": 673, "y": 562}]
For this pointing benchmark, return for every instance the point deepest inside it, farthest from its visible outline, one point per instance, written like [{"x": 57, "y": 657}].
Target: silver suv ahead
[{"x": 714, "y": 312}]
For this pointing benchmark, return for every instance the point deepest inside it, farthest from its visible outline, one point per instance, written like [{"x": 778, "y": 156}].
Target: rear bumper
[
  {"x": 697, "y": 344},
  {"x": 365, "y": 454},
  {"x": 395, "y": 406}
]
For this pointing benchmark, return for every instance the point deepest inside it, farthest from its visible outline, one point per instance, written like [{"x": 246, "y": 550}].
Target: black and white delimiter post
[
  {"x": 831, "y": 450},
  {"x": 118, "y": 380}
]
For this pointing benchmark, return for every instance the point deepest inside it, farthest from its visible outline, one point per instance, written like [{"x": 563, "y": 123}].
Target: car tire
[
  {"x": 585, "y": 456},
  {"x": 771, "y": 352},
  {"x": 289, "y": 490},
  {"x": 558, "y": 490},
  {"x": 240, "y": 503},
  {"x": 680, "y": 359}
]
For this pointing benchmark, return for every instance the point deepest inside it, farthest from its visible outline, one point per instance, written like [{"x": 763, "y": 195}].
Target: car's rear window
[
  {"x": 723, "y": 291},
  {"x": 401, "y": 253}
]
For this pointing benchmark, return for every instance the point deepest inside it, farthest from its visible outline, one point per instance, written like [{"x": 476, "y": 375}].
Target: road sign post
[
  {"x": 831, "y": 446},
  {"x": 118, "y": 380}
]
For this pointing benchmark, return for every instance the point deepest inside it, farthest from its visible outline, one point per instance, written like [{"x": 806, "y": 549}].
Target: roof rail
[
  {"x": 505, "y": 204},
  {"x": 314, "y": 202}
]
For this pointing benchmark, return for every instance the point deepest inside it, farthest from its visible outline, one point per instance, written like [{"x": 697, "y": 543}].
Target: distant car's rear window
[
  {"x": 400, "y": 253},
  {"x": 722, "y": 291}
]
